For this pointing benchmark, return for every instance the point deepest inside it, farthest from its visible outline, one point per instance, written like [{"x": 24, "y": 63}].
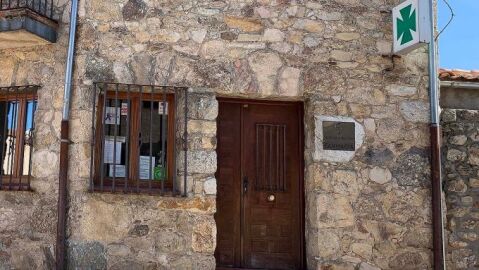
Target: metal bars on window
[
  {"x": 270, "y": 157},
  {"x": 17, "y": 112},
  {"x": 134, "y": 139},
  {"x": 42, "y": 7}
]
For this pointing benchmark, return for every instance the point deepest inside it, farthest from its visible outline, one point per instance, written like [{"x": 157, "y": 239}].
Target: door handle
[{"x": 245, "y": 185}]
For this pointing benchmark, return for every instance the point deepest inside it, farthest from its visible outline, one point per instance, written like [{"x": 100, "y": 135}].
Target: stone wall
[
  {"x": 367, "y": 210},
  {"x": 28, "y": 219},
  {"x": 118, "y": 231},
  {"x": 461, "y": 177}
]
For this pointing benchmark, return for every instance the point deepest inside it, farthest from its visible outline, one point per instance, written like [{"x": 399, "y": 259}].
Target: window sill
[
  {"x": 15, "y": 187},
  {"x": 167, "y": 192}
]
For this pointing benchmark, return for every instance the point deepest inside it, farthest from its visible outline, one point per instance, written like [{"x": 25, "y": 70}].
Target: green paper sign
[{"x": 159, "y": 173}]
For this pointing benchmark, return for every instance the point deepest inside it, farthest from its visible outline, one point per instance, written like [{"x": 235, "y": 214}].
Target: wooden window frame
[
  {"x": 134, "y": 184},
  {"x": 17, "y": 180}
]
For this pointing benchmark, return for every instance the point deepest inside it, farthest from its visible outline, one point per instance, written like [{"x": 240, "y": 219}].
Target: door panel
[
  {"x": 271, "y": 163},
  {"x": 228, "y": 199},
  {"x": 259, "y": 203}
]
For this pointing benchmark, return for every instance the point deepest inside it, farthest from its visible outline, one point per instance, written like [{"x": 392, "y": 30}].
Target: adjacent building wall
[
  {"x": 461, "y": 177},
  {"x": 366, "y": 209},
  {"x": 28, "y": 219},
  {"x": 459, "y": 98}
]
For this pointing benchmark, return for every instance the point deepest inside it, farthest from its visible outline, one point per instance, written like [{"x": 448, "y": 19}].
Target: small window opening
[
  {"x": 18, "y": 105},
  {"x": 135, "y": 129}
]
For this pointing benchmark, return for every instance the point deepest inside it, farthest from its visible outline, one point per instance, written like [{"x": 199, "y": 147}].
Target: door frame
[{"x": 302, "y": 204}]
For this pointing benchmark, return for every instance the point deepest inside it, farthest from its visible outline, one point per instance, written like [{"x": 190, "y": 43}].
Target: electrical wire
[{"x": 450, "y": 19}]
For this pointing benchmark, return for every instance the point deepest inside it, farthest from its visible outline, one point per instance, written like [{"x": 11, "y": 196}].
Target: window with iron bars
[
  {"x": 17, "y": 113},
  {"x": 135, "y": 130}
]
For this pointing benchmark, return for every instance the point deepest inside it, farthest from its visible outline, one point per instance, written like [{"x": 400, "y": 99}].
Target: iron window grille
[
  {"x": 42, "y": 7},
  {"x": 135, "y": 130},
  {"x": 17, "y": 114}
]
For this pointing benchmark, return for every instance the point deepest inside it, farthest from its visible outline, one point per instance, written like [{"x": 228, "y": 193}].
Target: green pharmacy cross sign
[
  {"x": 406, "y": 26},
  {"x": 411, "y": 25}
]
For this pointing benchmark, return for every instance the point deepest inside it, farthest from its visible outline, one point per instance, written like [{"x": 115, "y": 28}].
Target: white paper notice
[
  {"x": 120, "y": 170},
  {"x": 160, "y": 107},
  {"x": 109, "y": 152},
  {"x": 110, "y": 116},
  {"x": 124, "y": 109},
  {"x": 118, "y": 138},
  {"x": 145, "y": 167}
]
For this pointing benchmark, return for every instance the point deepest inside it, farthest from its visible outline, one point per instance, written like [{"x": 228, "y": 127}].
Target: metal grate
[
  {"x": 42, "y": 7},
  {"x": 17, "y": 113},
  {"x": 270, "y": 157},
  {"x": 135, "y": 132}
]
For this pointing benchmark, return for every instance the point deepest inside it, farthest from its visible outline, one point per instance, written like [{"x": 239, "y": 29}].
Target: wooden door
[{"x": 260, "y": 199}]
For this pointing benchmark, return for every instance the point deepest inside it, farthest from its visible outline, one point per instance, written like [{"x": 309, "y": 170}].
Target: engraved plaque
[{"x": 339, "y": 136}]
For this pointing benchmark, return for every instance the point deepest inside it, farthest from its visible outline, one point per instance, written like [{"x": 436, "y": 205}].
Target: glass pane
[
  {"x": 153, "y": 140},
  {"x": 8, "y": 126},
  {"x": 115, "y": 147},
  {"x": 28, "y": 142}
]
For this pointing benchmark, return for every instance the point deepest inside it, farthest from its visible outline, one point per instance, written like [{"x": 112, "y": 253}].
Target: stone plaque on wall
[{"x": 338, "y": 136}]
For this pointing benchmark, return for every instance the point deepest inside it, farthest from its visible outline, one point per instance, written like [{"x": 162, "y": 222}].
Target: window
[
  {"x": 17, "y": 113},
  {"x": 134, "y": 147}
]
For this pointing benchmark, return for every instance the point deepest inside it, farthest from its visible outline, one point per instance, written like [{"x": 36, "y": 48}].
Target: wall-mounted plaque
[{"x": 339, "y": 136}]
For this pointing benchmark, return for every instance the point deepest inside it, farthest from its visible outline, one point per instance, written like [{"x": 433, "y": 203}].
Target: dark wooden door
[{"x": 260, "y": 202}]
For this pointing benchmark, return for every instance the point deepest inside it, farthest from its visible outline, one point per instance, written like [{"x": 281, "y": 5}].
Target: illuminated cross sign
[{"x": 411, "y": 25}]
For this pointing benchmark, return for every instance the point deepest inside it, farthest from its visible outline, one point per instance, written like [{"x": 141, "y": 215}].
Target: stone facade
[
  {"x": 369, "y": 211},
  {"x": 28, "y": 219},
  {"x": 461, "y": 176}
]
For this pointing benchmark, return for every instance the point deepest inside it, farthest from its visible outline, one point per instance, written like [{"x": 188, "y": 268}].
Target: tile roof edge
[{"x": 458, "y": 75}]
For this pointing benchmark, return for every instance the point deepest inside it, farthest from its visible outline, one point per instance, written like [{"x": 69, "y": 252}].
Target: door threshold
[{"x": 236, "y": 268}]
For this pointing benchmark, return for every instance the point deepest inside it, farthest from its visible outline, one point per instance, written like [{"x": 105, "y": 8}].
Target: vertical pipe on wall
[
  {"x": 70, "y": 56},
  {"x": 435, "y": 130},
  {"x": 437, "y": 216},
  {"x": 60, "y": 253}
]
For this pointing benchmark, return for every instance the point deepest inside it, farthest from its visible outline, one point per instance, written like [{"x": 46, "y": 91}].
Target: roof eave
[{"x": 460, "y": 84}]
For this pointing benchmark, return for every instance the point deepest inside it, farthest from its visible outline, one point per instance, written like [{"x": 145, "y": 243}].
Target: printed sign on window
[
  {"x": 109, "y": 152},
  {"x": 117, "y": 170},
  {"x": 124, "y": 109},
  {"x": 162, "y": 108},
  {"x": 110, "y": 114},
  {"x": 118, "y": 138},
  {"x": 145, "y": 167}
]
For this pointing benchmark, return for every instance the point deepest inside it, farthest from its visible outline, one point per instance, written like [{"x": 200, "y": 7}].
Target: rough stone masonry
[
  {"x": 368, "y": 210},
  {"x": 461, "y": 174}
]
